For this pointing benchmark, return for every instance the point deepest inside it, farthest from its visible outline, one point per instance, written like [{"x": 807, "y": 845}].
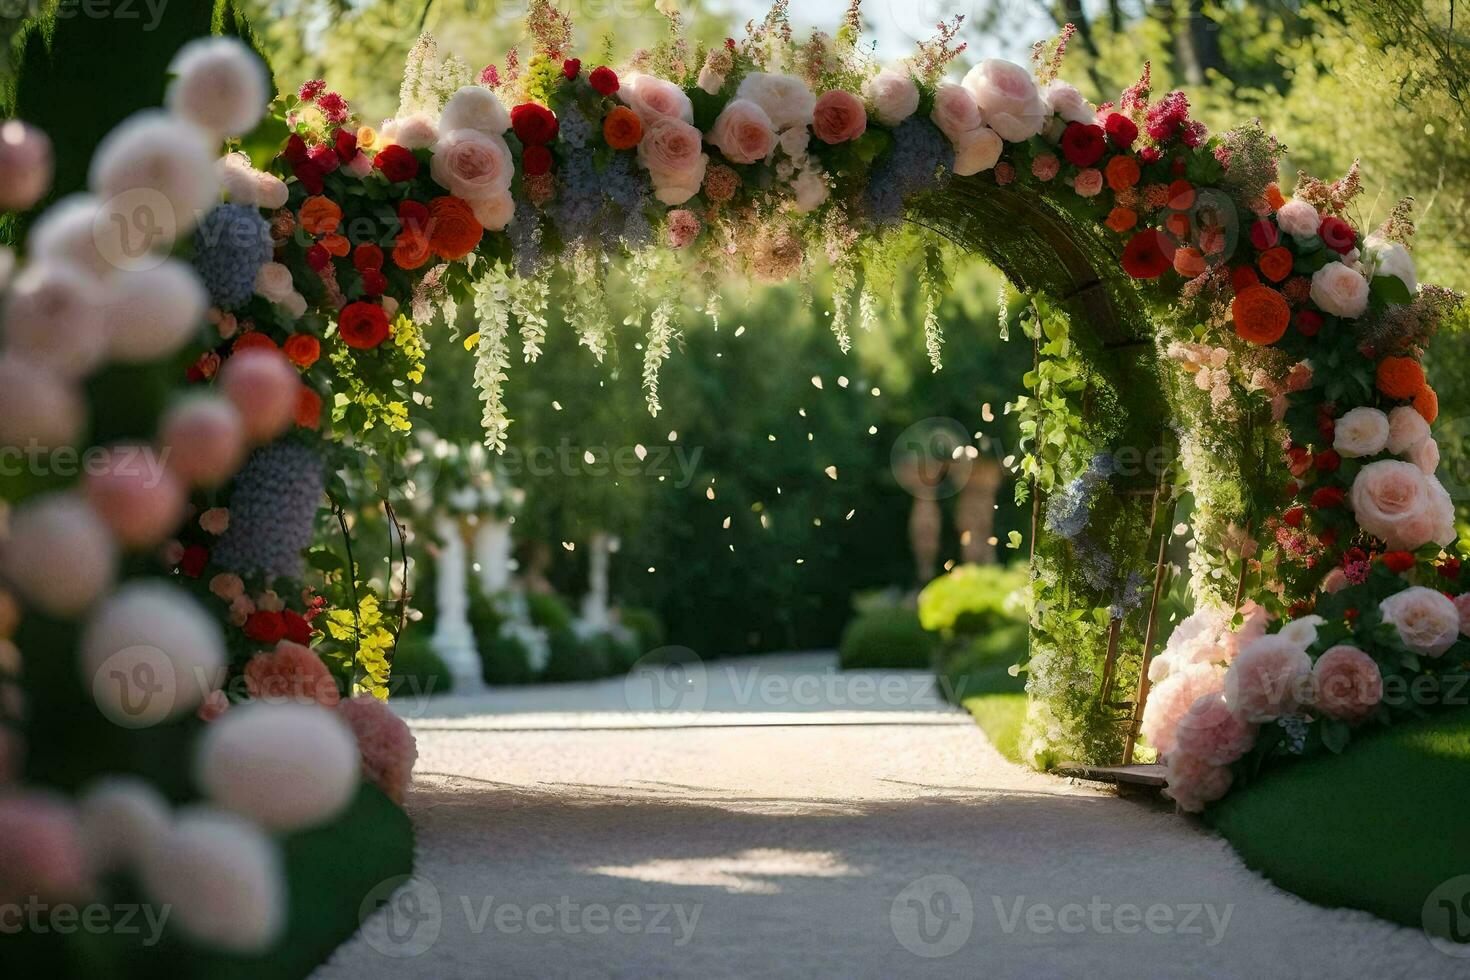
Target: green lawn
[
  {"x": 1377, "y": 828},
  {"x": 979, "y": 679}
]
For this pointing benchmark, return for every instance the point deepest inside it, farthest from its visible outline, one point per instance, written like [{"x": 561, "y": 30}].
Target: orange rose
[
  {"x": 453, "y": 230},
  {"x": 336, "y": 245},
  {"x": 1426, "y": 403},
  {"x": 1121, "y": 219},
  {"x": 1189, "y": 262},
  {"x": 1178, "y": 224},
  {"x": 1401, "y": 378},
  {"x": 1274, "y": 197},
  {"x": 622, "y": 128},
  {"x": 1276, "y": 263},
  {"x": 410, "y": 250},
  {"x": 252, "y": 339},
  {"x": 320, "y": 216},
  {"x": 1121, "y": 172},
  {"x": 1261, "y": 314},
  {"x": 308, "y": 408},
  {"x": 303, "y": 350}
]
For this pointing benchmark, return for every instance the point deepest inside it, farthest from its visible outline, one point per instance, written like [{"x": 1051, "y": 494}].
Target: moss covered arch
[{"x": 1083, "y": 673}]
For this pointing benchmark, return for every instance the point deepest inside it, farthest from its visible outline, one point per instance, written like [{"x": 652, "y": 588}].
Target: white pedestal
[{"x": 453, "y": 639}]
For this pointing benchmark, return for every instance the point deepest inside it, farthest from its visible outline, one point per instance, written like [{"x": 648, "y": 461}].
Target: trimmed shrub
[
  {"x": 417, "y": 670},
  {"x": 549, "y": 612},
  {"x": 573, "y": 659},
  {"x": 504, "y": 660},
  {"x": 887, "y": 638},
  {"x": 971, "y": 600},
  {"x": 646, "y": 626}
]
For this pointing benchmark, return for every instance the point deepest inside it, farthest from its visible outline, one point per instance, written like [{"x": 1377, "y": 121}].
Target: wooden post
[{"x": 1150, "y": 636}]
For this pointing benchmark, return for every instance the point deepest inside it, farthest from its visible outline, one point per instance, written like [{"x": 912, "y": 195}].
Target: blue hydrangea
[
  {"x": 599, "y": 207},
  {"x": 273, "y": 506},
  {"x": 920, "y": 160},
  {"x": 525, "y": 240},
  {"x": 230, "y": 245}
]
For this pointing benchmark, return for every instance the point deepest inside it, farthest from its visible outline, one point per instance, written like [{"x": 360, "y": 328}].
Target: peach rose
[
  {"x": 894, "y": 95},
  {"x": 977, "y": 151},
  {"x": 1193, "y": 782},
  {"x": 1406, "y": 429},
  {"x": 1427, "y": 621},
  {"x": 743, "y": 132},
  {"x": 1361, "y": 432},
  {"x": 1088, "y": 182},
  {"x": 1346, "y": 684},
  {"x": 653, "y": 98},
  {"x": 1298, "y": 218},
  {"x": 1172, "y": 698},
  {"x": 1210, "y": 732},
  {"x": 1340, "y": 290},
  {"x": 494, "y": 212},
  {"x": 1008, "y": 99},
  {"x": 1398, "y": 502},
  {"x": 839, "y": 117},
  {"x": 671, "y": 152},
  {"x": 471, "y": 165},
  {"x": 1269, "y": 679}
]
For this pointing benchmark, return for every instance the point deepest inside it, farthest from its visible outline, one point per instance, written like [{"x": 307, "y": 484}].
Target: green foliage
[
  {"x": 417, "y": 670},
  {"x": 646, "y": 626},
  {"x": 986, "y": 664},
  {"x": 575, "y": 659},
  {"x": 887, "y": 639},
  {"x": 972, "y": 599},
  {"x": 549, "y": 612},
  {"x": 504, "y": 660},
  {"x": 1380, "y": 797}
]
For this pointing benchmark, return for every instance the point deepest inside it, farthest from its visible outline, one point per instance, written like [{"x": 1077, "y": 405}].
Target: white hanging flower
[
  {"x": 157, "y": 174},
  {"x": 219, "y": 85},
  {"x": 73, "y": 230},
  {"x": 287, "y": 766},
  {"x": 59, "y": 556}
]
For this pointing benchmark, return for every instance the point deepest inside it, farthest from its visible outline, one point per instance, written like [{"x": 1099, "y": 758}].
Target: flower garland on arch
[{"x": 1296, "y": 337}]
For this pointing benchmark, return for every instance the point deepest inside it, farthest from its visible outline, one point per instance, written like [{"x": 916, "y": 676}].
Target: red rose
[
  {"x": 1148, "y": 255},
  {"x": 534, "y": 124},
  {"x": 318, "y": 257},
  {"x": 296, "y": 151},
  {"x": 571, "y": 67},
  {"x": 1327, "y": 461},
  {"x": 367, "y": 258},
  {"x": 1450, "y": 568},
  {"x": 1337, "y": 234},
  {"x": 413, "y": 215},
  {"x": 1083, "y": 144},
  {"x": 1328, "y": 498},
  {"x": 310, "y": 176},
  {"x": 265, "y": 627},
  {"x": 345, "y": 144},
  {"x": 1308, "y": 322},
  {"x": 374, "y": 283},
  {"x": 1398, "y": 561},
  {"x": 397, "y": 163},
  {"x": 297, "y": 629},
  {"x": 1243, "y": 277},
  {"x": 604, "y": 80},
  {"x": 325, "y": 157},
  {"x": 536, "y": 160},
  {"x": 195, "y": 557},
  {"x": 1120, "y": 129},
  {"x": 363, "y": 325},
  {"x": 1295, "y": 517},
  {"x": 1149, "y": 154},
  {"x": 1264, "y": 235},
  {"x": 1329, "y": 537}
]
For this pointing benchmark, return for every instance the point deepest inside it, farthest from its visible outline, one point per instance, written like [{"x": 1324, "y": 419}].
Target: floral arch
[{"x": 1196, "y": 332}]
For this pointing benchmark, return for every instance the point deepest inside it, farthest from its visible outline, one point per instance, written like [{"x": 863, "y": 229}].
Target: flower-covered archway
[{"x": 1195, "y": 331}]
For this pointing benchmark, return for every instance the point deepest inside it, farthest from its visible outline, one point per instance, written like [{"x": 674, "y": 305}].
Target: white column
[
  {"x": 493, "y": 555},
  {"x": 453, "y": 639},
  {"x": 596, "y": 615}
]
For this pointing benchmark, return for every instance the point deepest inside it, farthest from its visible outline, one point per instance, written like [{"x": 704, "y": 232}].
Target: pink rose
[
  {"x": 1427, "y": 621},
  {"x": 1335, "y": 581},
  {"x": 1298, "y": 218},
  {"x": 494, "y": 212},
  {"x": 1088, "y": 182},
  {"x": 1425, "y": 455},
  {"x": 1399, "y": 503},
  {"x": 743, "y": 132},
  {"x": 1008, "y": 99},
  {"x": 1462, "y": 605},
  {"x": 894, "y": 95},
  {"x": 1269, "y": 679},
  {"x": 1193, "y": 782},
  {"x": 1340, "y": 290},
  {"x": 471, "y": 165},
  {"x": 672, "y": 153},
  {"x": 41, "y": 849},
  {"x": 1211, "y": 732},
  {"x": 839, "y": 117},
  {"x": 1361, "y": 432},
  {"x": 1045, "y": 166},
  {"x": 1068, "y": 103},
  {"x": 977, "y": 151},
  {"x": 653, "y": 98},
  {"x": 215, "y": 521},
  {"x": 955, "y": 111},
  {"x": 1347, "y": 683},
  {"x": 1172, "y": 698},
  {"x": 1406, "y": 429}
]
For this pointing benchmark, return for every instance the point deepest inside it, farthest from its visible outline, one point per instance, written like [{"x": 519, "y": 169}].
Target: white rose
[
  {"x": 238, "y": 179},
  {"x": 494, "y": 212},
  {"x": 1397, "y": 502},
  {"x": 475, "y": 107},
  {"x": 787, "y": 99},
  {"x": 893, "y": 94},
  {"x": 1425, "y": 456},
  {"x": 811, "y": 190},
  {"x": 415, "y": 132},
  {"x": 795, "y": 141},
  {"x": 1339, "y": 290},
  {"x": 219, "y": 85},
  {"x": 1302, "y": 632},
  {"x": 271, "y": 192},
  {"x": 1298, "y": 219},
  {"x": 710, "y": 81},
  {"x": 1068, "y": 103},
  {"x": 653, "y": 98},
  {"x": 1427, "y": 621},
  {"x": 1361, "y": 432},
  {"x": 1392, "y": 259},
  {"x": 955, "y": 111},
  {"x": 273, "y": 281},
  {"x": 1406, "y": 429},
  {"x": 1008, "y": 99},
  {"x": 977, "y": 151}
]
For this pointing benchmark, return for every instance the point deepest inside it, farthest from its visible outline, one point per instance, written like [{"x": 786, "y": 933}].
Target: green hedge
[
  {"x": 417, "y": 670},
  {"x": 888, "y": 638}
]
